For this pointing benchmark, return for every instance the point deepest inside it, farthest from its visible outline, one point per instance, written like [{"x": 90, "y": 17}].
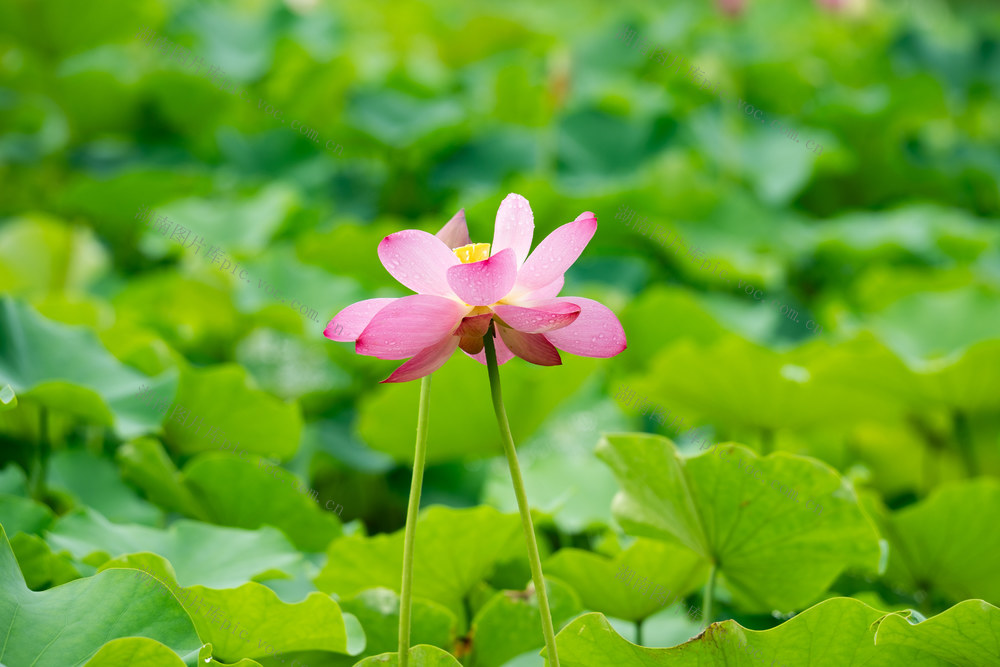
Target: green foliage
[{"x": 162, "y": 411}]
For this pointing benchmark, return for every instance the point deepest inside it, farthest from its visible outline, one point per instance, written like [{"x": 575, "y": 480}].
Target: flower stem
[
  {"x": 522, "y": 500},
  {"x": 419, "y": 456},
  {"x": 706, "y": 601}
]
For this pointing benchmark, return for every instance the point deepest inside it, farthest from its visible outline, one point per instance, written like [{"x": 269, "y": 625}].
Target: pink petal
[
  {"x": 418, "y": 260},
  {"x": 556, "y": 253},
  {"x": 408, "y": 325},
  {"x": 455, "y": 233},
  {"x": 351, "y": 321},
  {"x": 531, "y": 347},
  {"x": 514, "y": 226},
  {"x": 426, "y": 362},
  {"x": 539, "y": 317},
  {"x": 486, "y": 282},
  {"x": 595, "y": 333},
  {"x": 503, "y": 353},
  {"x": 548, "y": 292}
]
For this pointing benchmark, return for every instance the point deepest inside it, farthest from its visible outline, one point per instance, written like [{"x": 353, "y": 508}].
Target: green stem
[
  {"x": 638, "y": 632},
  {"x": 419, "y": 456},
  {"x": 706, "y": 601},
  {"x": 963, "y": 435},
  {"x": 522, "y": 499}
]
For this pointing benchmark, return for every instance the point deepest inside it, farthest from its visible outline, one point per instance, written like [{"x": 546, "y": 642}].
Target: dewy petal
[
  {"x": 348, "y": 324},
  {"x": 418, "y": 260},
  {"x": 514, "y": 227},
  {"x": 486, "y": 282},
  {"x": 455, "y": 233},
  {"x": 595, "y": 333},
  {"x": 503, "y": 353},
  {"x": 531, "y": 347},
  {"x": 548, "y": 292},
  {"x": 426, "y": 362},
  {"x": 539, "y": 317},
  {"x": 408, "y": 325},
  {"x": 556, "y": 253}
]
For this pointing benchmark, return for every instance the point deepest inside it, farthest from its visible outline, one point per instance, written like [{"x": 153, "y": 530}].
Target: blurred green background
[{"x": 888, "y": 239}]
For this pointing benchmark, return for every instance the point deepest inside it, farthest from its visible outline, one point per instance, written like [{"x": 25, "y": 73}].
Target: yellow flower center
[{"x": 474, "y": 252}]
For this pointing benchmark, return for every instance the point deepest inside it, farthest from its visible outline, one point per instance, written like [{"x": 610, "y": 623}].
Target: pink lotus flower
[{"x": 461, "y": 287}]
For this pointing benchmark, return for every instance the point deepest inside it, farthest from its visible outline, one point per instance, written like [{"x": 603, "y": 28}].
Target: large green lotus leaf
[
  {"x": 966, "y": 634},
  {"x": 68, "y": 624},
  {"x": 23, "y": 515},
  {"x": 939, "y": 323},
  {"x": 145, "y": 463},
  {"x": 196, "y": 316},
  {"x": 223, "y": 398},
  {"x": 218, "y": 487},
  {"x": 773, "y": 550},
  {"x": 292, "y": 366},
  {"x": 247, "y": 554},
  {"x": 965, "y": 381},
  {"x": 239, "y": 492},
  {"x": 116, "y": 198},
  {"x": 970, "y": 384},
  {"x": 834, "y": 633},
  {"x": 377, "y": 609},
  {"x": 456, "y": 549},
  {"x": 649, "y": 332},
  {"x": 462, "y": 422},
  {"x": 95, "y": 481},
  {"x": 737, "y": 382},
  {"x": 675, "y": 569},
  {"x": 13, "y": 481},
  {"x": 310, "y": 293},
  {"x": 509, "y": 624},
  {"x": 351, "y": 250},
  {"x": 66, "y": 368},
  {"x": 420, "y": 656},
  {"x": 39, "y": 254},
  {"x": 906, "y": 233},
  {"x": 134, "y": 651},
  {"x": 41, "y": 567},
  {"x": 947, "y": 544},
  {"x": 398, "y": 119},
  {"x": 260, "y": 216},
  {"x": 881, "y": 286},
  {"x": 251, "y": 621}
]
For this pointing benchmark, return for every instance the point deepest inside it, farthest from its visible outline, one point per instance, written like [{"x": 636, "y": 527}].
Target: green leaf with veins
[
  {"x": 378, "y": 611},
  {"x": 66, "y": 368},
  {"x": 259, "y": 622},
  {"x": 773, "y": 552},
  {"x": 68, "y": 624},
  {"x": 676, "y": 569},
  {"x": 948, "y": 543},
  {"x": 248, "y": 553},
  {"x": 509, "y": 624},
  {"x": 457, "y": 549},
  {"x": 420, "y": 656}
]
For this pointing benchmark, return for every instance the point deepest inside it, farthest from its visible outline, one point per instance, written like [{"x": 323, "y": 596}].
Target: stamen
[{"x": 474, "y": 252}]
